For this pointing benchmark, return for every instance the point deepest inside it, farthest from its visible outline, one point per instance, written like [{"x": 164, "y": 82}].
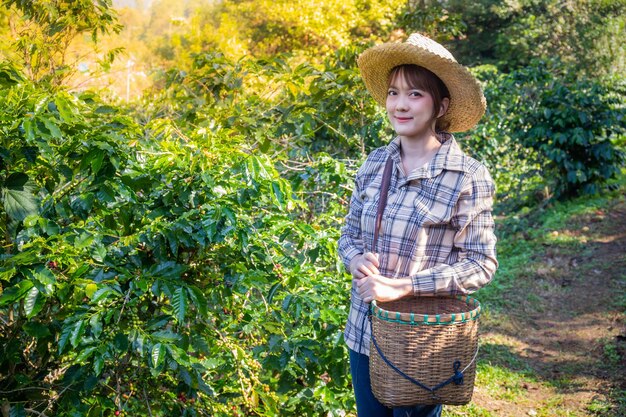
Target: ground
[{"x": 559, "y": 347}]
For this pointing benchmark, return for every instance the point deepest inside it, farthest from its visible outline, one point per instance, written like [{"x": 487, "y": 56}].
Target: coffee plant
[{"x": 146, "y": 270}]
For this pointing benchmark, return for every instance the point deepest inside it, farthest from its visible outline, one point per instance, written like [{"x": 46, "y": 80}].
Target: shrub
[
  {"x": 158, "y": 268},
  {"x": 575, "y": 124},
  {"x": 548, "y": 134}
]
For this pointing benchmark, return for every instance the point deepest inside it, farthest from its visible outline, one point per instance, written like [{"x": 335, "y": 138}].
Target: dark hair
[{"x": 423, "y": 79}]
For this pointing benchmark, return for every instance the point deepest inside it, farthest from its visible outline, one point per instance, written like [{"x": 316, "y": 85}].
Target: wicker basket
[{"x": 432, "y": 343}]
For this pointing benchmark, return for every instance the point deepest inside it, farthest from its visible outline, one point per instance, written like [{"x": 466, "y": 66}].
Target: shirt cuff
[
  {"x": 348, "y": 256},
  {"x": 423, "y": 283}
]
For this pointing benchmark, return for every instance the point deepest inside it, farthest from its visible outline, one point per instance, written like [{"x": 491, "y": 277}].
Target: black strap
[{"x": 382, "y": 202}]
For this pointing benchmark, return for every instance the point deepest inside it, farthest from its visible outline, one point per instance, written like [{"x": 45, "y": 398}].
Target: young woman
[{"x": 436, "y": 236}]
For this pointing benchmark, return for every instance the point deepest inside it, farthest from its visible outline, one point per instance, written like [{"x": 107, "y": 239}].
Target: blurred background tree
[
  {"x": 47, "y": 39},
  {"x": 581, "y": 34}
]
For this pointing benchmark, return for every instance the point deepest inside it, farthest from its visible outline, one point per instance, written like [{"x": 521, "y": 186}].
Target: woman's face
[{"x": 410, "y": 110}]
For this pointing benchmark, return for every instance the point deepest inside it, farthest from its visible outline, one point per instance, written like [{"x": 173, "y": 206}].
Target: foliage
[
  {"x": 575, "y": 124},
  {"x": 44, "y": 31},
  {"x": 267, "y": 28},
  {"x": 583, "y": 34},
  {"x": 516, "y": 169},
  {"x": 279, "y": 105},
  {"x": 568, "y": 131},
  {"x": 431, "y": 18},
  {"x": 181, "y": 257}
]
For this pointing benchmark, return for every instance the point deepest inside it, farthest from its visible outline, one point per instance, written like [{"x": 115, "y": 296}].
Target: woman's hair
[{"x": 423, "y": 79}]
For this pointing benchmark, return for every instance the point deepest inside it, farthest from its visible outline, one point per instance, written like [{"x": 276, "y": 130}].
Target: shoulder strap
[{"x": 382, "y": 201}]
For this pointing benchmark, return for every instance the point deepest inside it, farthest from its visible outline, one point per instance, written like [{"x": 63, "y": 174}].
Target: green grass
[
  {"x": 613, "y": 406},
  {"x": 611, "y": 353},
  {"x": 555, "y": 407},
  {"x": 470, "y": 410},
  {"x": 620, "y": 299},
  {"x": 501, "y": 383}
]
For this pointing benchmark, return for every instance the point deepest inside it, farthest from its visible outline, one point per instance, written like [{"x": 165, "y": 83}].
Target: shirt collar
[{"x": 449, "y": 157}]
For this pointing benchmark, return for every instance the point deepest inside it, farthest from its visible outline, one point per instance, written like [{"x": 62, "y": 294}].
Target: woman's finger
[
  {"x": 367, "y": 269},
  {"x": 372, "y": 258},
  {"x": 358, "y": 274}
]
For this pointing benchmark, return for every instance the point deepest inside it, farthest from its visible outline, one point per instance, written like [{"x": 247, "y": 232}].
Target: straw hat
[{"x": 467, "y": 102}]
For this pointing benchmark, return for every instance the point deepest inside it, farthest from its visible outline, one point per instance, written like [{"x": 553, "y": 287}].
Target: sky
[{"x": 132, "y": 3}]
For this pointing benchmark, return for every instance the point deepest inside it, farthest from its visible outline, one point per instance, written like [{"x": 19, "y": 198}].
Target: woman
[{"x": 436, "y": 236}]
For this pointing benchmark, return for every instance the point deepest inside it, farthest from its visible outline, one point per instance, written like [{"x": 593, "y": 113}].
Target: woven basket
[{"x": 429, "y": 340}]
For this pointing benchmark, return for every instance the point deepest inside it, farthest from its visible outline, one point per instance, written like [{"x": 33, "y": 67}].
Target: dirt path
[{"x": 567, "y": 335}]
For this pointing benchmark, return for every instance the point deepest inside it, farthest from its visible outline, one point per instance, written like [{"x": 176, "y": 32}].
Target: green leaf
[
  {"x": 10, "y": 76},
  {"x": 179, "y": 355},
  {"x": 83, "y": 241},
  {"x": 90, "y": 289},
  {"x": 48, "y": 226},
  {"x": 257, "y": 169},
  {"x": 166, "y": 336},
  {"x": 142, "y": 284},
  {"x": 36, "y": 329},
  {"x": 77, "y": 333},
  {"x": 103, "y": 293},
  {"x": 199, "y": 300},
  {"x": 44, "y": 276},
  {"x": 29, "y": 131},
  {"x": 95, "y": 325},
  {"x": 18, "y": 197},
  {"x": 7, "y": 274},
  {"x": 33, "y": 303},
  {"x": 179, "y": 302},
  {"x": 66, "y": 332},
  {"x": 93, "y": 159},
  {"x": 120, "y": 341},
  {"x": 52, "y": 127},
  {"x": 157, "y": 355},
  {"x": 273, "y": 290},
  {"x": 278, "y": 195},
  {"x": 15, "y": 293},
  {"x": 167, "y": 269},
  {"x": 98, "y": 364},
  {"x": 157, "y": 322},
  {"x": 85, "y": 354},
  {"x": 98, "y": 252},
  {"x": 105, "y": 109},
  {"x": 95, "y": 410},
  {"x": 24, "y": 258},
  {"x": 66, "y": 109}
]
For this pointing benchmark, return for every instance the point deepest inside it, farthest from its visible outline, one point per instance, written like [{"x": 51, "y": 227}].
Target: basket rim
[{"x": 417, "y": 319}]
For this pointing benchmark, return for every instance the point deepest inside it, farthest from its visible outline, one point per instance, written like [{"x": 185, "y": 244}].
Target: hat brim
[{"x": 467, "y": 102}]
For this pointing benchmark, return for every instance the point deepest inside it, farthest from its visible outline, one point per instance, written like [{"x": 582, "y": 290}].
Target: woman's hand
[
  {"x": 379, "y": 288},
  {"x": 364, "y": 265}
]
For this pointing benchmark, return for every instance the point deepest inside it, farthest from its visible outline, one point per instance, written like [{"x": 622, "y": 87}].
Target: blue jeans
[{"x": 368, "y": 406}]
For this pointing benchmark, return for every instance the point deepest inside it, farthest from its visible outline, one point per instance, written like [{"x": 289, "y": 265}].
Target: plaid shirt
[{"x": 437, "y": 227}]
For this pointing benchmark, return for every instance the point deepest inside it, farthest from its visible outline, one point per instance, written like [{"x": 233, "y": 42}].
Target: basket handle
[{"x": 382, "y": 201}]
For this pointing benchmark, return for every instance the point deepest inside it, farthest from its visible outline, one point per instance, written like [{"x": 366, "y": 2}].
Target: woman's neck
[{"x": 417, "y": 153}]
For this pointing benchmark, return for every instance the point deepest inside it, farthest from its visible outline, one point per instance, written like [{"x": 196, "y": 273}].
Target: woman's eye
[
  {"x": 391, "y": 93},
  {"x": 415, "y": 94}
]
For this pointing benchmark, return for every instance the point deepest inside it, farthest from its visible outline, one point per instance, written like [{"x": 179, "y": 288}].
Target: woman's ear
[{"x": 445, "y": 102}]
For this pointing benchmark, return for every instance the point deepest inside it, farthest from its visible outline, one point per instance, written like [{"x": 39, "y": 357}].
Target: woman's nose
[{"x": 401, "y": 104}]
